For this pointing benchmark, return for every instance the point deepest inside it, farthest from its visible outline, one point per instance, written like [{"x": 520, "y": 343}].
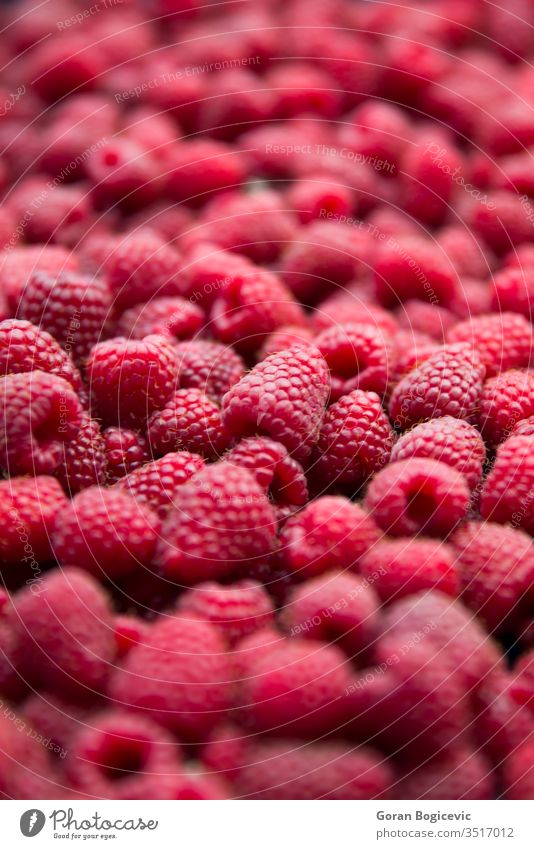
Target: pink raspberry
[
  {"x": 519, "y": 773},
  {"x": 63, "y": 218},
  {"x": 286, "y": 336},
  {"x": 201, "y": 167},
  {"x": 426, "y": 318},
  {"x": 130, "y": 379},
  {"x": 181, "y": 677},
  {"x": 301, "y": 88},
  {"x": 448, "y": 383},
  {"x": 461, "y": 247},
  {"x": 209, "y": 366},
  {"x": 282, "y": 397},
  {"x": 317, "y": 195},
  {"x": 400, "y": 567},
  {"x": 502, "y": 221},
  {"x": 329, "y": 533},
  {"x": 29, "y": 507},
  {"x": 503, "y": 341},
  {"x": 502, "y": 724},
  {"x": 411, "y": 267},
  {"x": 513, "y": 290},
  {"x": 346, "y": 306},
  {"x": 59, "y": 68},
  {"x": 221, "y": 521},
  {"x": 129, "y": 631},
  {"x": 172, "y": 317},
  {"x": 524, "y": 427},
  {"x": 236, "y": 610},
  {"x": 458, "y": 773},
  {"x": 358, "y": 357},
  {"x": 125, "y": 450},
  {"x": 417, "y": 496},
  {"x": 189, "y": 421},
  {"x": 355, "y": 440},
  {"x": 154, "y": 484},
  {"x": 452, "y": 441},
  {"x": 504, "y": 401},
  {"x": 208, "y": 270},
  {"x": 17, "y": 265},
  {"x": 106, "y": 532},
  {"x": 238, "y": 99},
  {"x": 123, "y": 173},
  {"x": 377, "y": 130},
  {"x": 38, "y": 412},
  {"x": 84, "y": 460},
  {"x": 55, "y": 717},
  {"x": 507, "y": 493},
  {"x": 26, "y": 768},
  {"x": 429, "y": 180},
  {"x": 24, "y": 347}
]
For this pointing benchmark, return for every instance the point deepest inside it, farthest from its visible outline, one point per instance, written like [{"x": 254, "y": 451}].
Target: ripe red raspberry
[
  {"x": 286, "y": 337},
  {"x": 508, "y": 489},
  {"x": 335, "y": 607},
  {"x": 503, "y": 341},
  {"x": 123, "y": 172},
  {"x": 513, "y": 290},
  {"x": 411, "y": 348},
  {"x": 518, "y": 772},
  {"x": 329, "y": 533},
  {"x": 377, "y": 130},
  {"x": 411, "y": 267},
  {"x": 192, "y": 786},
  {"x": 83, "y": 462},
  {"x": 453, "y": 441},
  {"x": 355, "y": 440},
  {"x": 129, "y": 631},
  {"x": 181, "y": 677},
  {"x": 208, "y": 270},
  {"x": 125, "y": 450},
  {"x": 358, "y": 356},
  {"x": 24, "y": 347},
  {"x": 294, "y": 687},
  {"x": 502, "y": 723},
  {"x": 236, "y": 610},
  {"x": 56, "y": 718},
  {"x": 524, "y": 427},
  {"x": 289, "y": 769},
  {"x": 130, "y": 379},
  {"x": 106, "y": 532},
  {"x": 431, "y": 319},
  {"x": 221, "y": 522},
  {"x": 29, "y": 507},
  {"x": 189, "y": 421},
  {"x": 154, "y": 484},
  {"x": 201, "y": 167},
  {"x": 209, "y": 366},
  {"x": 280, "y": 475},
  {"x": 400, "y": 567},
  {"x": 38, "y": 412},
  {"x": 251, "y": 306},
  {"x": 58, "y": 68},
  {"x": 282, "y": 397},
  {"x": 448, "y": 383},
  {"x": 122, "y": 756},
  {"x": 504, "y": 401},
  {"x": 496, "y": 566},
  {"x": 17, "y": 265},
  {"x": 418, "y": 496},
  {"x": 238, "y": 99},
  {"x": 302, "y": 88},
  {"x": 468, "y": 256},
  {"x": 26, "y": 769},
  {"x": 66, "y": 632},
  {"x": 318, "y": 195},
  {"x": 429, "y": 177},
  {"x": 458, "y": 773},
  {"x": 346, "y": 306},
  {"x": 172, "y": 317},
  {"x": 63, "y": 218},
  {"x": 502, "y": 221}
]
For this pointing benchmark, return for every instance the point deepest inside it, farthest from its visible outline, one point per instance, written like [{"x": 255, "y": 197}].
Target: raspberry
[
  {"x": 505, "y": 400},
  {"x": 180, "y": 676},
  {"x": 428, "y": 177},
  {"x": 501, "y": 725},
  {"x": 29, "y": 508},
  {"x": 288, "y": 769},
  {"x": 122, "y": 756},
  {"x": 508, "y": 489},
  {"x": 84, "y": 460},
  {"x": 358, "y": 358},
  {"x": 417, "y": 496},
  {"x": 66, "y": 633},
  {"x": 209, "y": 270},
  {"x": 286, "y": 337},
  {"x": 448, "y": 383},
  {"x": 301, "y": 88},
  {"x": 377, "y": 130},
  {"x": 335, "y": 607},
  {"x": 431, "y": 319},
  {"x": 209, "y": 366},
  {"x": 282, "y": 397},
  {"x": 17, "y": 265},
  {"x": 400, "y": 567},
  {"x": 452, "y": 441},
  {"x": 410, "y": 267},
  {"x": 63, "y": 219},
  {"x": 191, "y": 786},
  {"x": 58, "y": 68},
  {"x": 513, "y": 290},
  {"x": 519, "y": 773},
  {"x": 464, "y": 251},
  {"x": 26, "y": 771},
  {"x": 355, "y": 440},
  {"x": 317, "y": 195},
  {"x": 345, "y": 307},
  {"x": 129, "y": 631},
  {"x": 24, "y": 348},
  {"x": 154, "y": 484},
  {"x": 473, "y": 299},
  {"x": 329, "y": 533},
  {"x": 503, "y": 341},
  {"x": 189, "y": 421},
  {"x": 237, "y": 100},
  {"x": 172, "y": 317},
  {"x": 122, "y": 172},
  {"x": 221, "y": 521},
  {"x": 106, "y": 532},
  {"x": 524, "y": 427},
  {"x": 277, "y": 473},
  {"x": 38, "y": 412},
  {"x": 201, "y": 167},
  {"x": 237, "y": 610},
  {"x": 459, "y": 773},
  {"x": 131, "y": 379},
  {"x": 55, "y": 718},
  {"x": 502, "y": 221},
  {"x": 125, "y": 450},
  {"x": 294, "y": 687}
]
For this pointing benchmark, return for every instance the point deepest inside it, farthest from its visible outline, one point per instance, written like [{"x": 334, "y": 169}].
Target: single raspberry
[
  {"x": 24, "y": 347},
  {"x": 66, "y": 632},
  {"x": 56, "y": 718},
  {"x": 429, "y": 177},
  {"x": 123, "y": 756},
  {"x": 377, "y": 130},
  {"x": 317, "y": 196},
  {"x": 221, "y": 522},
  {"x": 130, "y": 379},
  {"x": 189, "y": 421},
  {"x": 452, "y": 441},
  {"x": 473, "y": 299},
  {"x": 172, "y": 317},
  {"x": 276, "y": 471},
  {"x": 238, "y": 99},
  {"x": 501, "y": 723},
  {"x": 418, "y": 495},
  {"x": 431, "y": 319},
  {"x": 129, "y": 631},
  {"x": 285, "y": 337},
  {"x": 346, "y": 306},
  {"x": 335, "y": 607},
  {"x": 519, "y": 773},
  {"x": 301, "y": 88},
  {"x": 329, "y": 533},
  {"x": 38, "y": 412},
  {"x": 208, "y": 270},
  {"x": 209, "y": 366},
  {"x": 83, "y": 462},
  {"x": 503, "y": 341},
  {"x": 29, "y": 507},
  {"x": 106, "y": 532},
  {"x": 26, "y": 768},
  {"x": 448, "y": 383},
  {"x": 155, "y": 484},
  {"x": 123, "y": 172},
  {"x": 50, "y": 214},
  {"x": 513, "y": 290},
  {"x": 288, "y": 769},
  {"x": 181, "y": 677},
  {"x": 282, "y": 397},
  {"x": 505, "y": 400},
  {"x": 358, "y": 357},
  {"x": 350, "y": 61},
  {"x": 469, "y": 257},
  {"x": 509, "y": 488},
  {"x": 236, "y": 610},
  {"x": 400, "y": 567},
  {"x": 125, "y": 450},
  {"x": 496, "y": 566},
  {"x": 57, "y": 68},
  {"x": 201, "y": 167},
  {"x": 458, "y": 773},
  {"x": 17, "y": 265},
  {"x": 502, "y": 220},
  {"x": 355, "y": 440},
  {"x": 411, "y": 267}
]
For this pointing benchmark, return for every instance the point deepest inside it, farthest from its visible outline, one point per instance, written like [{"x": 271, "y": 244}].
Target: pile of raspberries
[{"x": 266, "y": 400}]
